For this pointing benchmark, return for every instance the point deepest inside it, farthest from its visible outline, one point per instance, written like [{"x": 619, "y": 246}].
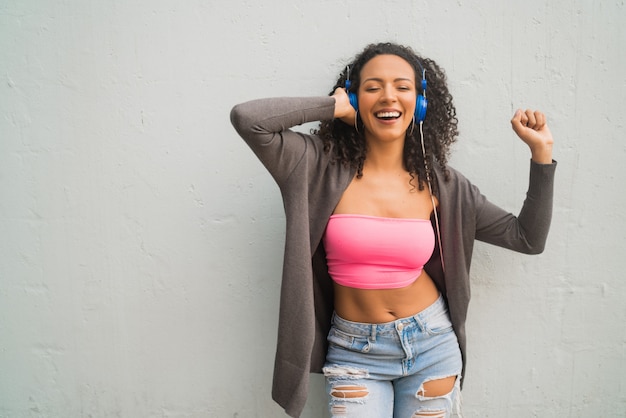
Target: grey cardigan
[{"x": 311, "y": 186}]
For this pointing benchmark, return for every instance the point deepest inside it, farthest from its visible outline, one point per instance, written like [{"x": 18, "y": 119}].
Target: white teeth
[{"x": 388, "y": 114}]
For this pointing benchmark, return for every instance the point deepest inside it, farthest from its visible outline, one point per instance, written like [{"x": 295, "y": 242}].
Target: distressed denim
[{"x": 378, "y": 370}]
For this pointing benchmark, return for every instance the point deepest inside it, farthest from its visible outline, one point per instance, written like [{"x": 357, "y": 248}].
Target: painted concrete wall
[{"x": 140, "y": 248}]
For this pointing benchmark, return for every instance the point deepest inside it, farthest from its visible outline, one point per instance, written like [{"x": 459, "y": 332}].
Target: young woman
[{"x": 380, "y": 233}]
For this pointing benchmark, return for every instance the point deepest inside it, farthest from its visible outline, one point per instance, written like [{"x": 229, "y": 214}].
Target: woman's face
[{"x": 387, "y": 96}]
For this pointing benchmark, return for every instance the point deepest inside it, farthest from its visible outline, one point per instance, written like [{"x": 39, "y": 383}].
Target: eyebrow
[{"x": 395, "y": 80}]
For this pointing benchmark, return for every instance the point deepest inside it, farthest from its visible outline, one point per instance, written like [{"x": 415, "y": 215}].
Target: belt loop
[
  {"x": 373, "y": 333},
  {"x": 419, "y": 322}
]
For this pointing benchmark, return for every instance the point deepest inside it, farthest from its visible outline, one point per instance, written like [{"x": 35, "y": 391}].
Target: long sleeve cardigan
[{"x": 311, "y": 185}]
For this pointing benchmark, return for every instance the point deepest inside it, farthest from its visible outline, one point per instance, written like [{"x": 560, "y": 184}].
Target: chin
[{"x": 388, "y": 136}]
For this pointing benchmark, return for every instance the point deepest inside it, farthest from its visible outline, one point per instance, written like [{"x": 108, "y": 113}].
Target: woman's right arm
[{"x": 264, "y": 125}]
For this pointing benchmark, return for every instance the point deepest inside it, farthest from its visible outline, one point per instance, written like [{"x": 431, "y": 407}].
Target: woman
[{"x": 380, "y": 233}]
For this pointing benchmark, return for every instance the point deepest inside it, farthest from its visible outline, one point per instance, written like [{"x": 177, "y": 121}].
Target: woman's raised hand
[
  {"x": 343, "y": 108},
  {"x": 531, "y": 127}
]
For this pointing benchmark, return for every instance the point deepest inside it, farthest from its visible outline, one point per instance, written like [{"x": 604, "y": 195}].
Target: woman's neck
[{"x": 385, "y": 157}]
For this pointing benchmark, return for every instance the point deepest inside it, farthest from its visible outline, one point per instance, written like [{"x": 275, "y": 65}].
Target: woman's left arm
[{"x": 527, "y": 232}]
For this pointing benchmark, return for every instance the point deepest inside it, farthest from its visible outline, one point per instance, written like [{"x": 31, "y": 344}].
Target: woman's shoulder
[
  {"x": 450, "y": 175},
  {"x": 454, "y": 185}
]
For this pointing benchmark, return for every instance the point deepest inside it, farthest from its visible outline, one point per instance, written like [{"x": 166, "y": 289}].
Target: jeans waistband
[{"x": 366, "y": 329}]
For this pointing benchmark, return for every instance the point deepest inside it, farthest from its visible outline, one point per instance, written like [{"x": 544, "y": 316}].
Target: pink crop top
[{"x": 369, "y": 252}]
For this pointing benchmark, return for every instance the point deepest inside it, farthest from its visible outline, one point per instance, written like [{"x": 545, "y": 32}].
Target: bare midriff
[{"x": 377, "y": 306}]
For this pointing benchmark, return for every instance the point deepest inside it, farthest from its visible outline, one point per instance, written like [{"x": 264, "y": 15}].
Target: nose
[{"x": 389, "y": 94}]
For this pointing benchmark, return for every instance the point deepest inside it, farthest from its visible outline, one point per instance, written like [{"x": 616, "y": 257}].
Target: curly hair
[{"x": 439, "y": 127}]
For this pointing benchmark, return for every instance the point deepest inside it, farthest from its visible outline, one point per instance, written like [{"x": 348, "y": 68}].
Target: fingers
[
  {"x": 518, "y": 122},
  {"x": 533, "y": 119},
  {"x": 339, "y": 91},
  {"x": 343, "y": 108}
]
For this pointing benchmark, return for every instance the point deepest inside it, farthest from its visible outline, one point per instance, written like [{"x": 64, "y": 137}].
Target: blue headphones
[{"x": 420, "y": 104}]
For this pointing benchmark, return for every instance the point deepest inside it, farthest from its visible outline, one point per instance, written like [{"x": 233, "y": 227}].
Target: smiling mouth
[{"x": 388, "y": 115}]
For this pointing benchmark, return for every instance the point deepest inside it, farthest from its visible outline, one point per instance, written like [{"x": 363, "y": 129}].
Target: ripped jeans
[{"x": 383, "y": 370}]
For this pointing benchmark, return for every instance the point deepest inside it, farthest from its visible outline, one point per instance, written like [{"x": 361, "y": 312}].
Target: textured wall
[{"x": 141, "y": 241}]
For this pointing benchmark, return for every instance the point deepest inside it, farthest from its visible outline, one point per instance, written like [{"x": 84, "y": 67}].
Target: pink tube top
[{"x": 369, "y": 252}]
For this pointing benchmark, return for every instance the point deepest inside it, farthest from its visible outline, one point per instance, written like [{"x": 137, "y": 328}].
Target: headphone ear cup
[
  {"x": 420, "y": 108},
  {"x": 354, "y": 101}
]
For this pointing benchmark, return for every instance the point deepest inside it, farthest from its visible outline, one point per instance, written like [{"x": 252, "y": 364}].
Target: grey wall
[{"x": 141, "y": 241}]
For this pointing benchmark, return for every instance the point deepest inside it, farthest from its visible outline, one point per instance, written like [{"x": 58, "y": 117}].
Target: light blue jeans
[{"x": 378, "y": 370}]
